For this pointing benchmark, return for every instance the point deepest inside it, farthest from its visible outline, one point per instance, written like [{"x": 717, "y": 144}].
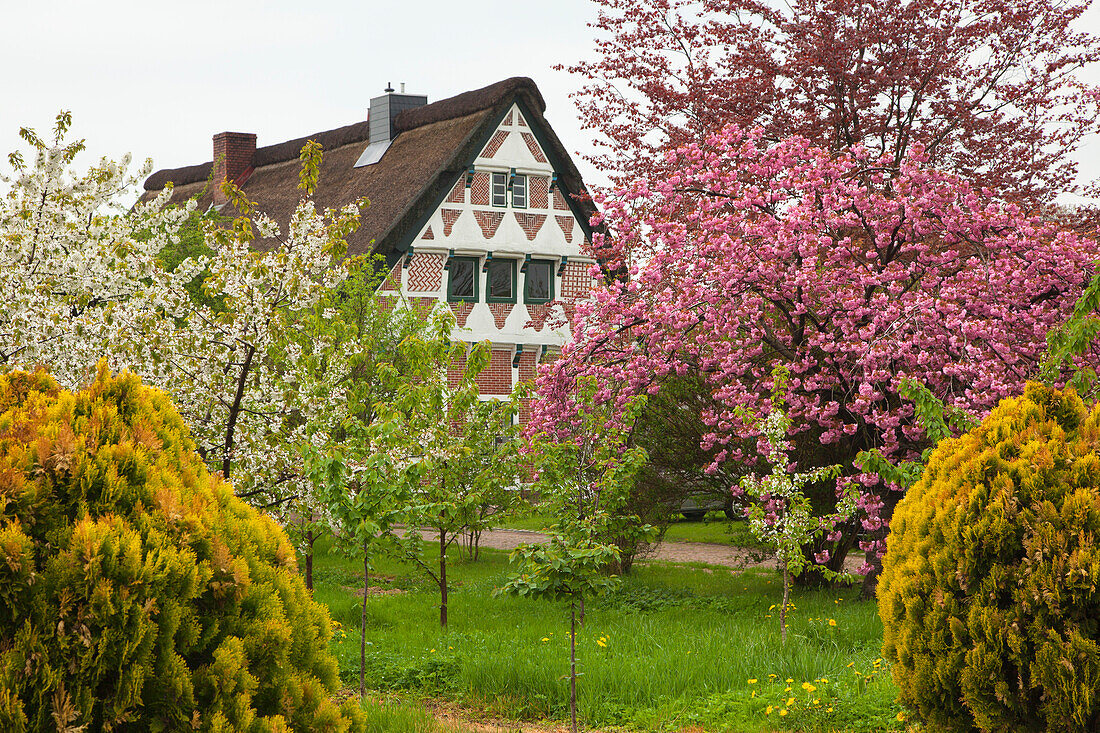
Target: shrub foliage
[
  {"x": 990, "y": 592},
  {"x": 136, "y": 592}
]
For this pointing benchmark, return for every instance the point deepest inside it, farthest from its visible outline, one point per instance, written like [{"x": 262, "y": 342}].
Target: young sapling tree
[{"x": 782, "y": 515}]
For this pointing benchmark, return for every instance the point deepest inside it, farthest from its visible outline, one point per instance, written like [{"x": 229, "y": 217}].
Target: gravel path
[
  {"x": 681, "y": 552},
  {"x": 727, "y": 556}
]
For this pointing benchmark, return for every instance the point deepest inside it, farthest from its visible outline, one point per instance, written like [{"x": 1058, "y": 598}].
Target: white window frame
[{"x": 501, "y": 202}]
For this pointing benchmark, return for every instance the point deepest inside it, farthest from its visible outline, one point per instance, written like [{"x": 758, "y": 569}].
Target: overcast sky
[{"x": 158, "y": 79}]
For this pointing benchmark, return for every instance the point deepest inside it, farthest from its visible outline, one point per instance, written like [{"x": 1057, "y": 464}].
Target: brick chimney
[{"x": 232, "y": 160}]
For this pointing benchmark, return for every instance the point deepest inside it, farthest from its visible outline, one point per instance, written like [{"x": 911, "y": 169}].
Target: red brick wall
[
  {"x": 456, "y": 368},
  {"x": 496, "y": 378}
]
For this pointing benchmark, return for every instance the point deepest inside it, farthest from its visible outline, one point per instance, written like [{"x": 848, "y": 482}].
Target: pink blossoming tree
[{"x": 852, "y": 271}]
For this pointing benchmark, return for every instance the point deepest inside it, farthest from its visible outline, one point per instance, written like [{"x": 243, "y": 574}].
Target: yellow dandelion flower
[
  {"x": 546, "y": 638},
  {"x": 752, "y": 680},
  {"x": 769, "y": 710},
  {"x": 824, "y": 679},
  {"x": 817, "y": 701},
  {"x": 851, "y": 664},
  {"x": 787, "y": 688},
  {"x": 432, "y": 651},
  {"x": 771, "y": 676},
  {"x": 782, "y": 712},
  {"x": 754, "y": 693},
  {"x": 832, "y": 622},
  {"x": 790, "y": 680},
  {"x": 603, "y": 643},
  {"x": 901, "y": 716},
  {"x": 790, "y": 701},
  {"x": 808, "y": 687},
  {"x": 829, "y": 709}
]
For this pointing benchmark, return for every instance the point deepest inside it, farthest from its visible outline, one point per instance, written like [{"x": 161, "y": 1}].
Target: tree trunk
[
  {"x": 786, "y": 600},
  {"x": 573, "y": 663},
  {"x": 442, "y": 579},
  {"x": 235, "y": 411},
  {"x": 309, "y": 559},
  {"x": 581, "y": 615},
  {"x": 870, "y": 581},
  {"x": 363, "y": 622}
]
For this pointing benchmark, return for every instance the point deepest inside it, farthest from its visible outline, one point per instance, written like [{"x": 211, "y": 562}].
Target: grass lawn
[
  {"x": 677, "y": 647},
  {"x": 714, "y": 528}
]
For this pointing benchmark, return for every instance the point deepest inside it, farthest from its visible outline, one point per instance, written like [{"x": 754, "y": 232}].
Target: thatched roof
[{"x": 434, "y": 144}]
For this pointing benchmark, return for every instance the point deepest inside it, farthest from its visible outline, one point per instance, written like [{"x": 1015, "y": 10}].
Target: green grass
[
  {"x": 714, "y": 529},
  {"x": 676, "y": 646},
  {"x": 402, "y": 716}
]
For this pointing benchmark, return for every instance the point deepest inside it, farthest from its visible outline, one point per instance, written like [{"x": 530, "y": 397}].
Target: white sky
[{"x": 158, "y": 79}]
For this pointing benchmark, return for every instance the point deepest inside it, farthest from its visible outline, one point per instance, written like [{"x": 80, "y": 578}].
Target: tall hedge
[
  {"x": 136, "y": 592},
  {"x": 990, "y": 591}
]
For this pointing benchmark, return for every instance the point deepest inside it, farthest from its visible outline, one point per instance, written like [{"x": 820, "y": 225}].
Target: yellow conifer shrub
[
  {"x": 136, "y": 592},
  {"x": 990, "y": 590}
]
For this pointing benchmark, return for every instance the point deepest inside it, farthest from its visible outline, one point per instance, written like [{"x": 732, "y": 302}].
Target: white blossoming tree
[{"x": 81, "y": 279}]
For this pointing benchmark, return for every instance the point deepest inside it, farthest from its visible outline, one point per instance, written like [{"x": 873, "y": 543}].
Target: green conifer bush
[
  {"x": 136, "y": 592},
  {"x": 990, "y": 591}
]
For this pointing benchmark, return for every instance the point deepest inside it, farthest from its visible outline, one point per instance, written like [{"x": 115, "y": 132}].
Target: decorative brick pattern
[
  {"x": 575, "y": 281},
  {"x": 489, "y": 221},
  {"x": 479, "y": 189},
  {"x": 496, "y": 378},
  {"x": 425, "y": 273},
  {"x": 494, "y": 143},
  {"x": 533, "y": 146},
  {"x": 539, "y": 312},
  {"x": 519, "y": 119},
  {"x": 393, "y": 280},
  {"x": 428, "y": 233},
  {"x": 461, "y": 310},
  {"x": 500, "y": 312},
  {"x": 530, "y": 224},
  {"x": 450, "y": 216},
  {"x": 508, "y": 118},
  {"x": 539, "y": 191},
  {"x": 559, "y": 201},
  {"x": 458, "y": 193},
  {"x": 566, "y": 224}
]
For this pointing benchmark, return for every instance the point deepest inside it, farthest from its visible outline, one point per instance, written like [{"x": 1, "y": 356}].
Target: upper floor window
[
  {"x": 519, "y": 192},
  {"x": 539, "y": 283},
  {"x": 463, "y": 279},
  {"x": 500, "y": 189}
]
